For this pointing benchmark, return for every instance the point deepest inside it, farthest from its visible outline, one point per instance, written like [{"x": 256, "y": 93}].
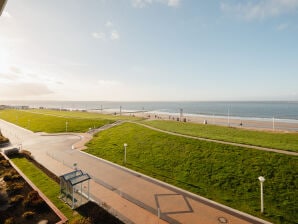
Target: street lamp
[
  {"x": 125, "y": 145},
  {"x": 66, "y": 123},
  {"x": 262, "y": 180}
]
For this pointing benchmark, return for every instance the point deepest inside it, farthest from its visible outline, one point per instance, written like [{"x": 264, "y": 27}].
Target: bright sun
[{"x": 4, "y": 59}]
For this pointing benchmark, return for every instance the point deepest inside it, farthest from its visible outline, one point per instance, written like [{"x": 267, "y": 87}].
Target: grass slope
[
  {"x": 224, "y": 173},
  {"x": 49, "y": 123},
  {"x": 285, "y": 141}
]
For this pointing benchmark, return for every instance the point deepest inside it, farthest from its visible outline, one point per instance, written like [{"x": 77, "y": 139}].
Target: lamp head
[
  {"x": 261, "y": 179},
  {"x": 125, "y": 145}
]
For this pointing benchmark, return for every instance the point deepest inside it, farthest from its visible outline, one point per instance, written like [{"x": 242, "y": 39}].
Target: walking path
[
  {"x": 133, "y": 196},
  {"x": 219, "y": 141}
]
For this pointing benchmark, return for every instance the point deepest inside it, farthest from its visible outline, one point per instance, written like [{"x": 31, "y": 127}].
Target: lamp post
[
  {"x": 125, "y": 145},
  {"x": 229, "y": 116},
  {"x": 262, "y": 180},
  {"x": 66, "y": 123}
]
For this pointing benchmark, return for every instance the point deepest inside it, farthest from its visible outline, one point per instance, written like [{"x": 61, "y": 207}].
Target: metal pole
[
  {"x": 262, "y": 180},
  {"x": 181, "y": 113},
  {"x": 262, "y": 199},
  {"x": 120, "y": 110},
  {"x": 66, "y": 123},
  {"x": 88, "y": 191},
  {"x": 81, "y": 193},
  {"x": 229, "y": 116},
  {"x": 125, "y": 154},
  {"x": 273, "y": 124},
  {"x": 72, "y": 197}
]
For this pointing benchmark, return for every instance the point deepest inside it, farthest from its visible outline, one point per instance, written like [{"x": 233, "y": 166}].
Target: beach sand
[{"x": 276, "y": 125}]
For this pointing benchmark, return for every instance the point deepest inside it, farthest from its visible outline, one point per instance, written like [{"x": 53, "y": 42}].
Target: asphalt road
[{"x": 173, "y": 205}]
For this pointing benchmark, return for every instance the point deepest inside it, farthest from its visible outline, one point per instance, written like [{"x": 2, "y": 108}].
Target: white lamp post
[
  {"x": 125, "y": 145},
  {"x": 262, "y": 180},
  {"x": 229, "y": 116},
  {"x": 66, "y": 123}
]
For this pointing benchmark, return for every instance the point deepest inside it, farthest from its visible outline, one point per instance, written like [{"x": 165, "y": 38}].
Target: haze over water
[{"x": 261, "y": 109}]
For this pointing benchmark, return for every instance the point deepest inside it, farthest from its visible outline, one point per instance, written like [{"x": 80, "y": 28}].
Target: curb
[
  {"x": 41, "y": 194},
  {"x": 188, "y": 194}
]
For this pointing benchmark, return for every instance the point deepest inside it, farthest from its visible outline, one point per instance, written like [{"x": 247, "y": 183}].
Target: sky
[{"x": 149, "y": 50}]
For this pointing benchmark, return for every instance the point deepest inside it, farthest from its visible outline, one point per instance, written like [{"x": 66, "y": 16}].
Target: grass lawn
[
  {"x": 285, "y": 141},
  {"x": 50, "y": 123},
  {"x": 48, "y": 186},
  {"x": 224, "y": 173},
  {"x": 86, "y": 115}
]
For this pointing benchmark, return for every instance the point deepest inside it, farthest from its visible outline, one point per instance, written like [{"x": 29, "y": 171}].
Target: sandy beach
[{"x": 276, "y": 125}]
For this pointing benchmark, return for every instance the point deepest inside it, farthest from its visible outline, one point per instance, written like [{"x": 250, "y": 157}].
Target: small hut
[{"x": 74, "y": 188}]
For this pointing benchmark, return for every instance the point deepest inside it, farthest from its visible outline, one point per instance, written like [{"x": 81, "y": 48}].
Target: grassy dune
[
  {"x": 284, "y": 141},
  {"x": 223, "y": 173},
  {"x": 49, "y": 123}
]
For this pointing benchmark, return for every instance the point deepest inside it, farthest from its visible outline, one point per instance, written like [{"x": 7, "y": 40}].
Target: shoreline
[{"x": 268, "y": 124}]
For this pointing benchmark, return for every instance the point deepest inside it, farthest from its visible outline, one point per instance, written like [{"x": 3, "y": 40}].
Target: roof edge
[{"x": 2, "y": 5}]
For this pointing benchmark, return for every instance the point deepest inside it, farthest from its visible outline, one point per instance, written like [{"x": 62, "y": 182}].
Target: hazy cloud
[
  {"x": 108, "y": 83},
  {"x": 109, "y": 24},
  {"x": 261, "y": 9},
  {"x": 21, "y": 90},
  {"x": 8, "y": 77},
  {"x": 144, "y": 3},
  {"x": 114, "y": 35},
  {"x": 15, "y": 69},
  {"x": 282, "y": 26},
  {"x": 173, "y": 3},
  {"x": 99, "y": 35}
]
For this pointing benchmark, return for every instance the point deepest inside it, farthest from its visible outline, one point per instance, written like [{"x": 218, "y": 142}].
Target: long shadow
[{"x": 97, "y": 215}]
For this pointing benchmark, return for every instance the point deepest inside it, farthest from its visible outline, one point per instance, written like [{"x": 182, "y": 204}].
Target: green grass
[
  {"x": 50, "y": 123},
  {"x": 284, "y": 141},
  {"x": 224, "y": 173},
  {"x": 48, "y": 186},
  {"x": 86, "y": 115}
]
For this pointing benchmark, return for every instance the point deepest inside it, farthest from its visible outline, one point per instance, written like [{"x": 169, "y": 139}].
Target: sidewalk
[
  {"x": 133, "y": 196},
  {"x": 117, "y": 205}
]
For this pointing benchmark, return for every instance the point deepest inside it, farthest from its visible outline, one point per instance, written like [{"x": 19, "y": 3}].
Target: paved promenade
[{"x": 133, "y": 196}]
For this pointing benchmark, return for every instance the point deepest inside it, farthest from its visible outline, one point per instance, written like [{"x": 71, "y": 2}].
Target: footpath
[{"x": 133, "y": 197}]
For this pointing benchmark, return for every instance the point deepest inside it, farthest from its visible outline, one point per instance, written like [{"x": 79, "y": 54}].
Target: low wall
[{"x": 49, "y": 203}]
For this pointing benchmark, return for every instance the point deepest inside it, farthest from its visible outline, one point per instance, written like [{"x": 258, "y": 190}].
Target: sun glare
[{"x": 4, "y": 59}]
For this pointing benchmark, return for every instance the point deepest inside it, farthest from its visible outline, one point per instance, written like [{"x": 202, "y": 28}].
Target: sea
[{"x": 283, "y": 110}]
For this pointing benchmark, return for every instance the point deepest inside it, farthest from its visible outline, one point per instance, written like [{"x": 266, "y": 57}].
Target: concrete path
[
  {"x": 130, "y": 195},
  {"x": 219, "y": 141}
]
